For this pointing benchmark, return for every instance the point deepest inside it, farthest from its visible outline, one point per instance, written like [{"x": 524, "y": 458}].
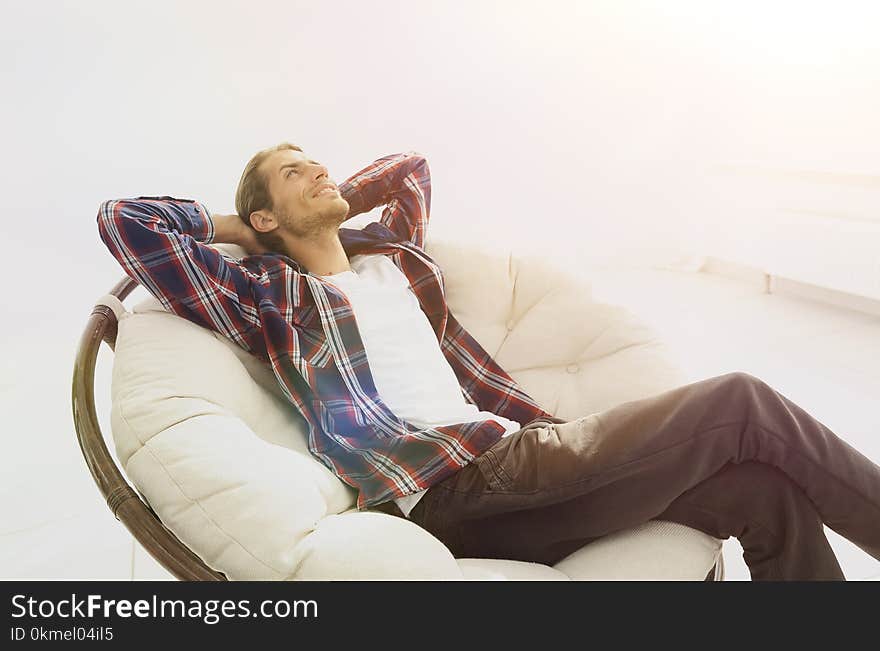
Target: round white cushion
[{"x": 203, "y": 432}]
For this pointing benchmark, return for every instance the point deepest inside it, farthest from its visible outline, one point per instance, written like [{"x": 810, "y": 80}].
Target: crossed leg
[{"x": 547, "y": 490}]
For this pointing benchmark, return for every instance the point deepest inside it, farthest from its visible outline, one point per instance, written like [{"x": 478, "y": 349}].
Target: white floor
[{"x": 56, "y": 526}]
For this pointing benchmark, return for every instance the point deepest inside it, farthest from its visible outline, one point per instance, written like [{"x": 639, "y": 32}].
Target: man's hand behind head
[{"x": 230, "y": 229}]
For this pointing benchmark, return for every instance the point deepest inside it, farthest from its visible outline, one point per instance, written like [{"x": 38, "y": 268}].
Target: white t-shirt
[{"x": 408, "y": 367}]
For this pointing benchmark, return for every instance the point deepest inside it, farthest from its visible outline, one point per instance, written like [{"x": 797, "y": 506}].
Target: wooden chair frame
[{"x": 124, "y": 501}]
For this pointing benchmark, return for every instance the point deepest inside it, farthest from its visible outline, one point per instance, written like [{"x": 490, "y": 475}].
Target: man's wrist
[{"x": 227, "y": 228}]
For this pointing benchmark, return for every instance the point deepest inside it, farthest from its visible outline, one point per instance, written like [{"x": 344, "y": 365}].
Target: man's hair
[{"x": 253, "y": 194}]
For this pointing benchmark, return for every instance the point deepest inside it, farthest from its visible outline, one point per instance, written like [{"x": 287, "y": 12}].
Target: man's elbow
[
  {"x": 109, "y": 210},
  {"x": 105, "y": 213},
  {"x": 418, "y": 157},
  {"x": 112, "y": 216},
  {"x": 420, "y": 167}
]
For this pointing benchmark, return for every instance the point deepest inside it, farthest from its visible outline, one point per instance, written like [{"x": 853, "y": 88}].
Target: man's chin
[
  {"x": 344, "y": 207},
  {"x": 329, "y": 210},
  {"x": 338, "y": 214}
]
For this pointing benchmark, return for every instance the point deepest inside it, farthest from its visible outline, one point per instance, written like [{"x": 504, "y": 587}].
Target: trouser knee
[{"x": 741, "y": 385}]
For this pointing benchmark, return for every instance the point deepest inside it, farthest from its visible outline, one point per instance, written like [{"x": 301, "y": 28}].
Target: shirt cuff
[{"x": 203, "y": 230}]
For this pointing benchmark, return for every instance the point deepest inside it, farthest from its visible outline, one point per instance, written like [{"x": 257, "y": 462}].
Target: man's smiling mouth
[{"x": 326, "y": 189}]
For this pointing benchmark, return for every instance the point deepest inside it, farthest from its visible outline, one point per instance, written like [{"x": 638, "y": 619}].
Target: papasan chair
[{"x": 211, "y": 471}]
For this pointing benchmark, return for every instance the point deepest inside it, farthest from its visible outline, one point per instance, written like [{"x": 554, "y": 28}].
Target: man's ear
[{"x": 263, "y": 221}]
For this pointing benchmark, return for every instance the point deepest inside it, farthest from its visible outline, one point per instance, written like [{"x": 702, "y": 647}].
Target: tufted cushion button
[{"x": 572, "y": 368}]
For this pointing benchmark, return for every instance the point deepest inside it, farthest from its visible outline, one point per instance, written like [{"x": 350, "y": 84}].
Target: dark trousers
[{"x": 728, "y": 456}]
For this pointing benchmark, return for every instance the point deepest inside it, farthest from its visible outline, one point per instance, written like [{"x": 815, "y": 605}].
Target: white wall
[{"x": 590, "y": 124}]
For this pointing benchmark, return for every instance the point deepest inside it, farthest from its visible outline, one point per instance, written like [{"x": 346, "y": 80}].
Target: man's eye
[{"x": 290, "y": 171}]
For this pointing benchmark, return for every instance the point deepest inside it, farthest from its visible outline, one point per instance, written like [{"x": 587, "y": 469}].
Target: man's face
[{"x": 305, "y": 199}]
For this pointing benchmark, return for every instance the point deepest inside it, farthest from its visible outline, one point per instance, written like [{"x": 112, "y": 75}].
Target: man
[{"x": 404, "y": 405}]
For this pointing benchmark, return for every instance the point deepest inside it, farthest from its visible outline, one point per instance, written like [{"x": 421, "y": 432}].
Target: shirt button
[{"x": 572, "y": 368}]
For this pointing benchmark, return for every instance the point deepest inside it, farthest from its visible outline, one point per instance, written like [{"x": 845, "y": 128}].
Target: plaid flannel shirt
[{"x": 304, "y": 327}]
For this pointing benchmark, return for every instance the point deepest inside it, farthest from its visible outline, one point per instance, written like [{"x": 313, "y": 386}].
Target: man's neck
[{"x": 321, "y": 255}]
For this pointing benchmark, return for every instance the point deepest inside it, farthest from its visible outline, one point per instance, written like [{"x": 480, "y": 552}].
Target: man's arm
[
  {"x": 161, "y": 242},
  {"x": 400, "y": 182}
]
